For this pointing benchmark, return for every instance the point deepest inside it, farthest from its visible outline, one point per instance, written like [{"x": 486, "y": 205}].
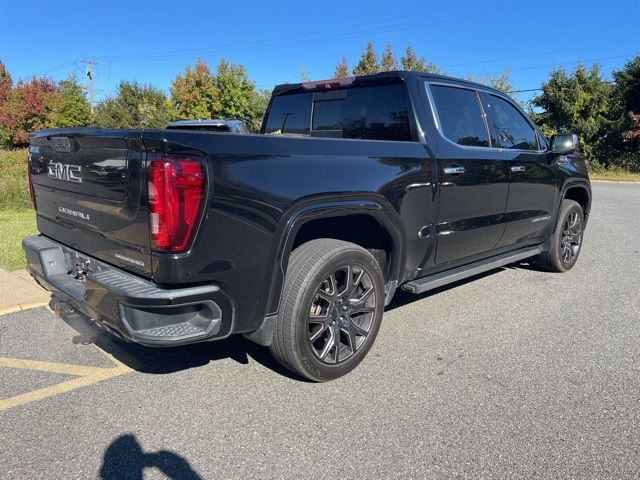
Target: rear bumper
[{"x": 131, "y": 307}]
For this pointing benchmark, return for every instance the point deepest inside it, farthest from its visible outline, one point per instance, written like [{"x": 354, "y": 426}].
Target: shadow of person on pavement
[{"x": 125, "y": 460}]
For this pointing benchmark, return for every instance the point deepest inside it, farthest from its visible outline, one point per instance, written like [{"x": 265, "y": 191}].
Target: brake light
[
  {"x": 331, "y": 83},
  {"x": 32, "y": 193},
  {"x": 176, "y": 188}
]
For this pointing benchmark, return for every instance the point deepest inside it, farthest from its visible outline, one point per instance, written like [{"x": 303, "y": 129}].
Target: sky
[{"x": 151, "y": 42}]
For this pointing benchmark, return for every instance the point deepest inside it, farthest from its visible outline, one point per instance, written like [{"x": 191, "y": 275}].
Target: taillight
[
  {"x": 32, "y": 193},
  {"x": 176, "y": 189}
]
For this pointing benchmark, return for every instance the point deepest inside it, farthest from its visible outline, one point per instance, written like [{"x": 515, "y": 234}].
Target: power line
[
  {"x": 323, "y": 36},
  {"x": 319, "y": 37},
  {"x": 611, "y": 82},
  {"x": 538, "y": 53}
]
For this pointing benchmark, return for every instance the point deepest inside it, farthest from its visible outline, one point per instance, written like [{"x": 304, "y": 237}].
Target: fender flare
[
  {"x": 294, "y": 219},
  {"x": 568, "y": 184},
  {"x": 575, "y": 183}
]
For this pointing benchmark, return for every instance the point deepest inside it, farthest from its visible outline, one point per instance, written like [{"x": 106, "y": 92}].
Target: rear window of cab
[{"x": 375, "y": 113}]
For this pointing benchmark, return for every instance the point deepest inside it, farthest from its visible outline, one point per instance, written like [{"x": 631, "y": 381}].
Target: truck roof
[{"x": 383, "y": 78}]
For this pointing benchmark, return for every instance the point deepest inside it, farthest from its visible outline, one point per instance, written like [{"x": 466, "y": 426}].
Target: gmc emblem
[{"x": 63, "y": 171}]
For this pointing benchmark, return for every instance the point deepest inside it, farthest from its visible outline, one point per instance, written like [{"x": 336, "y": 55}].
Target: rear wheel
[
  {"x": 331, "y": 310},
  {"x": 565, "y": 245}
]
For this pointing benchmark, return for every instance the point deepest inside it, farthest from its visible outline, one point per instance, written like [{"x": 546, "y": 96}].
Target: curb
[
  {"x": 23, "y": 306},
  {"x": 616, "y": 181}
]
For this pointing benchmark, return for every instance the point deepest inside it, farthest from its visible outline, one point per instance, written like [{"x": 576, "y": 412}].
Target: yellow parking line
[
  {"x": 85, "y": 376},
  {"x": 52, "y": 367}
]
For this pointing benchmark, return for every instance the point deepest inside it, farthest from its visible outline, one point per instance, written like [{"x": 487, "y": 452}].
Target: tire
[
  {"x": 327, "y": 324},
  {"x": 564, "y": 246}
]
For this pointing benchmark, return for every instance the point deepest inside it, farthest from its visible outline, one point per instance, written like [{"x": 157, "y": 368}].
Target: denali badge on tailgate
[{"x": 63, "y": 171}]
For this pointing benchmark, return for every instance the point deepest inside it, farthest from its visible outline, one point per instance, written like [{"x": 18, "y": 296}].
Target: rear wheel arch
[{"x": 362, "y": 222}]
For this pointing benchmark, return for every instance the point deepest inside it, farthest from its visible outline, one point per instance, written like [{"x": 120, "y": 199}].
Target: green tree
[
  {"x": 261, "y": 103},
  {"x": 194, "y": 93},
  {"x": 410, "y": 61},
  {"x": 368, "y": 63},
  {"x": 389, "y": 62},
  {"x": 621, "y": 138},
  {"x": 500, "y": 81},
  {"x": 6, "y": 84},
  {"x": 71, "y": 108},
  {"x": 342, "y": 69},
  {"x": 575, "y": 102},
  {"x": 237, "y": 95},
  {"x": 134, "y": 106},
  {"x": 304, "y": 74}
]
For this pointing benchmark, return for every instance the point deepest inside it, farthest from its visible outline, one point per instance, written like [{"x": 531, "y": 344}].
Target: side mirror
[{"x": 564, "y": 143}]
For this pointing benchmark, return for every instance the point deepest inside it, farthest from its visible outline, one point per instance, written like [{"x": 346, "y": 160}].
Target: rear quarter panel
[{"x": 259, "y": 181}]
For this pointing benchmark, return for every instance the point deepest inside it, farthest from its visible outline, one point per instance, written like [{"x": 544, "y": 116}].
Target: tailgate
[{"x": 89, "y": 190}]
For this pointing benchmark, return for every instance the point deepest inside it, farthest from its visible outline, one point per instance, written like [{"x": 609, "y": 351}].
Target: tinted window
[
  {"x": 512, "y": 129},
  {"x": 376, "y": 113},
  {"x": 290, "y": 114},
  {"x": 460, "y": 116},
  {"x": 542, "y": 141}
]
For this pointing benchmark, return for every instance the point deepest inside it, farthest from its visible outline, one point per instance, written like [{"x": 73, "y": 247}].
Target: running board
[{"x": 439, "y": 279}]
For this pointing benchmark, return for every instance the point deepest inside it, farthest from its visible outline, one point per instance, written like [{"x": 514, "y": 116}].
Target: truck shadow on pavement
[
  {"x": 160, "y": 361},
  {"x": 402, "y": 298},
  {"x": 124, "y": 458}
]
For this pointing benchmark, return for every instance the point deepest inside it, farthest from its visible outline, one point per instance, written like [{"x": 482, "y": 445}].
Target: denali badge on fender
[{"x": 63, "y": 171}]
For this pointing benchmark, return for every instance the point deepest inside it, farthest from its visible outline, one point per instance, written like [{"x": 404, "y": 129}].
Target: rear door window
[{"x": 460, "y": 116}]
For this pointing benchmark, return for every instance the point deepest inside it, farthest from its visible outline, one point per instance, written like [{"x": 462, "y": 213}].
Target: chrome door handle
[
  {"x": 453, "y": 170},
  {"x": 518, "y": 168}
]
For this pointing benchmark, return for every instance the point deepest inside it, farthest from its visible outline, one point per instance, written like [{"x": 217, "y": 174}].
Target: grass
[
  {"x": 14, "y": 191},
  {"x": 614, "y": 175},
  {"x": 14, "y": 226},
  {"x": 13, "y": 162}
]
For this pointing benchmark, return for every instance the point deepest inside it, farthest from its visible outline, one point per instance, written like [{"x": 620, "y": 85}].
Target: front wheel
[
  {"x": 331, "y": 309},
  {"x": 565, "y": 245}
]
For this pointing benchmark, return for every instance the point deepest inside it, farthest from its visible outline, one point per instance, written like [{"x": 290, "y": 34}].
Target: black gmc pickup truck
[{"x": 299, "y": 236}]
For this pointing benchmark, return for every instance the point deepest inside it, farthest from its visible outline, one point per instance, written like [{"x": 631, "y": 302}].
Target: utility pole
[{"x": 90, "y": 74}]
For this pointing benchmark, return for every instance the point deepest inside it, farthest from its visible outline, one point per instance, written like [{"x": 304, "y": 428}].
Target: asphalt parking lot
[{"x": 516, "y": 374}]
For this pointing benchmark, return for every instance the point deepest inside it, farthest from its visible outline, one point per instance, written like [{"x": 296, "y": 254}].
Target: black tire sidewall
[
  {"x": 568, "y": 207},
  {"x": 313, "y": 367}
]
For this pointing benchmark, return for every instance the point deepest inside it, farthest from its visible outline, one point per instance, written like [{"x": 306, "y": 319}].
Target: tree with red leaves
[{"x": 26, "y": 108}]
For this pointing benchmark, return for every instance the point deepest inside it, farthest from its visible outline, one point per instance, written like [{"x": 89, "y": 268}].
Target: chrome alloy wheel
[
  {"x": 571, "y": 237},
  {"x": 341, "y": 314}
]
